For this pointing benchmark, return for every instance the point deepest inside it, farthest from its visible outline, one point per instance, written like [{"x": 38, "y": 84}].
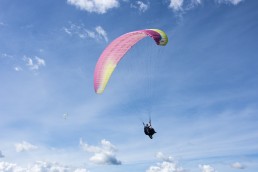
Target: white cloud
[
  {"x": 24, "y": 146},
  {"x": 10, "y": 167},
  {"x": 180, "y": 5},
  {"x": 102, "y": 33},
  {"x": 39, "y": 61},
  {"x": 176, "y": 4},
  {"x": 234, "y": 2},
  {"x": 168, "y": 165},
  {"x": 237, "y": 165},
  {"x": 39, "y": 166},
  {"x": 105, "y": 154},
  {"x": 29, "y": 61},
  {"x": 97, "y": 6},
  {"x": 1, "y": 154},
  {"x": 192, "y": 4},
  {"x": 67, "y": 31},
  {"x": 141, "y": 6},
  {"x": 17, "y": 68},
  {"x": 79, "y": 30},
  {"x": 161, "y": 156},
  {"x": 81, "y": 170},
  {"x": 207, "y": 168},
  {"x": 34, "y": 64}
]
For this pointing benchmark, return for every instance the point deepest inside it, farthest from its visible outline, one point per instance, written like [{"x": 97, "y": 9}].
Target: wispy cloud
[
  {"x": 234, "y": 2},
  {"x": 168, "y": 164},
  {"x": 206, "y": 168},
  {"x": 5, "y": 55},
  {"x": 238, "y": 165},
  {"x": 32, "y": 63},
  {"x": 79, "y": 30},
  {"x": 181, "y": 5},
  {"x": 105, "y": 154},
  {"x": 95, "y": 6},
  {"x": 176, "y": 4},
  {"x": 35, "y": 63},
  {"x": 141, "y": 6},
  {"x": 101, "y": 33},
  {"x": 24, "y": 146}
]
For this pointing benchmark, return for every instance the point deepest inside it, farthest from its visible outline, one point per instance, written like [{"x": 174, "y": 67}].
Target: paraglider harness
[{"x": 148, "y": 130}]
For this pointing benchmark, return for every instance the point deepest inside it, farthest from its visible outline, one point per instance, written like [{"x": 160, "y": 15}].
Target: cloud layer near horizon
[{"x": 39, "y": 166}]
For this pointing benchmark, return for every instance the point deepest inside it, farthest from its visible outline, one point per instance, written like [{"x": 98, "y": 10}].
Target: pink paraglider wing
[{"x": 115, "y": 51}]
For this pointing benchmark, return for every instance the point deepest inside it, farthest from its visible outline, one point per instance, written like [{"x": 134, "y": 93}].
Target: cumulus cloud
[
  {"x": 207, "y": 168},
  {"x": 39, "y": 166},
  {"x": 1, "y": 154},
  {"x": 35, "y": 63},
  {"x": 24, "y": 146},
  {"x": 166, "y": 167},
  {"x": 237, "y": 165},
  {"x": 168, "y": 164},
  {"x": 180, "y": 5},
  {"x": 141, "y": 6},
  {"x": 97, "y": 6},
  {"x": 79, "y": 30},
  {"x": 104, "y": 154}
]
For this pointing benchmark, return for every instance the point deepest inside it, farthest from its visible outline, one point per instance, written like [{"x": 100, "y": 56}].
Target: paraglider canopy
[{"x": 115, "y": 51}]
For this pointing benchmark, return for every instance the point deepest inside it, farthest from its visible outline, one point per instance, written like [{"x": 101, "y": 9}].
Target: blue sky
[{"x": 200, "y": 89}]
